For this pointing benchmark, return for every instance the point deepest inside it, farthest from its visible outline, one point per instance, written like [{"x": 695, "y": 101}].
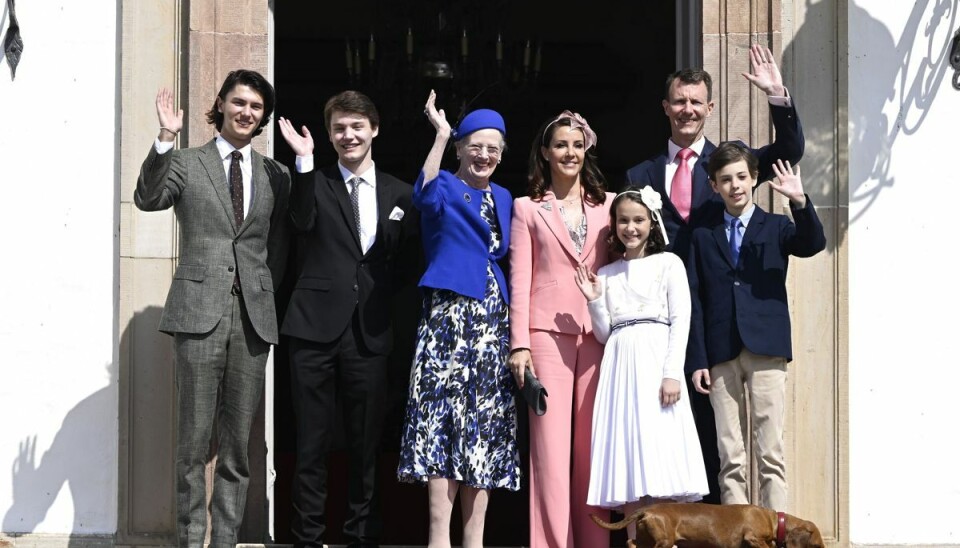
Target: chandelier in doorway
[{"x": 456, "y": 50}]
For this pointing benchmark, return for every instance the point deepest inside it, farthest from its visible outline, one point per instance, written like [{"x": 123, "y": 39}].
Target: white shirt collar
[
  {"x": 673, "y": 148},
  {"x": 225, "y": 148},
  {"x": 370, "y": 175}
]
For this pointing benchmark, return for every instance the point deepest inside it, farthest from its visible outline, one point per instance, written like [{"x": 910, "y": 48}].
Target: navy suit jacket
[
  {"x": 788, "y": 146},
  {"x": 745, "y": 304}
]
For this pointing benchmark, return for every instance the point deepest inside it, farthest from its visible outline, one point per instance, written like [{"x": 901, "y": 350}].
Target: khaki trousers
[{"x": 764, "y": 379}]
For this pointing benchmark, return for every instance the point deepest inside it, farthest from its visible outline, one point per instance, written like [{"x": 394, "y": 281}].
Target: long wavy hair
[
  {"x": 538, "y": 176},
  {"x": 655, "y": 243}
]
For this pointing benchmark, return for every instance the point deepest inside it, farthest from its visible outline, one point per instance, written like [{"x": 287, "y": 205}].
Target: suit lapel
[
  {"x": 259, "y": 176},
  {"x": 549, "y": 210},
  {"x": 660, "y": 183},
  {"x": 596, "y": 219},
  {"x": 213, "y": 164},
  {"x": 339, "y": 189},
  {"x": 720, "y": 236},
  {"x": 753, "y": 229},
  {"x": 701, "y": 179},
  {"x": 502, "y": 202},
  {"x": 384, "y": 207}
]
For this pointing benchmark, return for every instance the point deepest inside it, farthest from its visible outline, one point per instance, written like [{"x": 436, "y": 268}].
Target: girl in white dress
[{"x": 645, "y": 446}]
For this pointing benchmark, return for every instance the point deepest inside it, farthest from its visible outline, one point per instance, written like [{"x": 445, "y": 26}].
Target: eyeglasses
[{"x": 477, "y": 150}]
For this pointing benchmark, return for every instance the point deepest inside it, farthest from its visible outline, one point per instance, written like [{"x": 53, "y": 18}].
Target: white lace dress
[{"x": 640, "y": 448}]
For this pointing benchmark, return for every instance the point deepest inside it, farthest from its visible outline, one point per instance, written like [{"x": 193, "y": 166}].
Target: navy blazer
[
  {"x": 745, "y": 305},
  {"x": 456, "y": 239},
  {"x": 788, "y": 146}
]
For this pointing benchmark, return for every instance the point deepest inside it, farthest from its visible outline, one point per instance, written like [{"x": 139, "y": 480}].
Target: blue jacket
[
  {"x": 744, "y": 305},
  {"x": 456, "y": 238}
]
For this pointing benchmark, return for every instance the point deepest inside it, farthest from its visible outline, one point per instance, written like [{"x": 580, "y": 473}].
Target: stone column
[
  {"x": 809, "y": 53},
  {"x": 188, "y": 46}
]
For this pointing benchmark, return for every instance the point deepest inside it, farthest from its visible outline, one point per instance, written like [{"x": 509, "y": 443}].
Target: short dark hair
[
  {"x": 655, "y": 242},
  {"x": 352, "y": 102},
  {"x": 255, "y": 81},
  {"x": 690, "y": 76},
  {"x": 732, "y": 152}
]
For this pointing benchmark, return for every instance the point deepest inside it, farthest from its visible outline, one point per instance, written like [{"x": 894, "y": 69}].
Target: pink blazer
[{"x": 543, "y": 287}]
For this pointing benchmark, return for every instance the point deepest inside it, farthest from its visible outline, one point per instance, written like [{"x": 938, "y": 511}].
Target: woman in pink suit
[{"x": 563, "y": 223}]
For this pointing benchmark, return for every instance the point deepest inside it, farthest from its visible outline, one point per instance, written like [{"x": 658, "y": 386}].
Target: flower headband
[
  {"x": 651, "y": 199},
  {"x": 576, "y": 122}
]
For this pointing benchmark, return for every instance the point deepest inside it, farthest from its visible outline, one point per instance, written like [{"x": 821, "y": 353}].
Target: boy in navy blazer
[{"x": 740, "y": 325}]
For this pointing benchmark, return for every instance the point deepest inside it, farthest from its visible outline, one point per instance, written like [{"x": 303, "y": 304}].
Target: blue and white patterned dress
[{"x": 461, "y": 419}]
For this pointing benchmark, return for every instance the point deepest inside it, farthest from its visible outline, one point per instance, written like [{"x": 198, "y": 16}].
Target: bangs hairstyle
[
  {"x": 690, "y": 76},
  {"x": 254, "y": 81},
  {"x": 538, "y": 175},
  {"x": 655, "y": 243},
  {"x": 351, "y": 102},
  {"x": 731, "y": 152}
]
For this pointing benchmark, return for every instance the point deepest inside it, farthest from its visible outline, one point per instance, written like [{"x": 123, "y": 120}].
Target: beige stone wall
[
  {"x": 149, "y": 59},
  {"x": 804, "y": 37},
  {"x": 188, "y": 47}
]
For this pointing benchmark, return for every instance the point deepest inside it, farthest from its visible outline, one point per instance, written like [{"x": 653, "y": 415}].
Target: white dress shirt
[
  {"x": 225, "y": 148},
  {"x": 367, "y": 199}
]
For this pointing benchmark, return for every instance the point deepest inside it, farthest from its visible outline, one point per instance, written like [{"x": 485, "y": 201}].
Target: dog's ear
[
  {"x": 802, "y": 535},
  {"x": 798, "y": 537}
]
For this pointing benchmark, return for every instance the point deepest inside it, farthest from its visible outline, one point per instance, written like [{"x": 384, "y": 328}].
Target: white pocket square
[{"x": 396, "y": 214}]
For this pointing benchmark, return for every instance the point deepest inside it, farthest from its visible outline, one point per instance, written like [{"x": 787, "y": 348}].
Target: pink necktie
[{"x": 681, "y": 190}]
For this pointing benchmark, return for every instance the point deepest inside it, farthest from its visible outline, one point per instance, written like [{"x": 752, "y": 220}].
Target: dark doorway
[{"x": 607, "y": 62}]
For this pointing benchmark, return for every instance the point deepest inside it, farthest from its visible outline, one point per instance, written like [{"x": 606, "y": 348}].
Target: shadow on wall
[
  {"x": 898, "y": 74},
  {"x": 72, "y": 462}
]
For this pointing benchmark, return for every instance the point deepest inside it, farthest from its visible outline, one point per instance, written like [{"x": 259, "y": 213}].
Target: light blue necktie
[{"x": 735, "y": 239}]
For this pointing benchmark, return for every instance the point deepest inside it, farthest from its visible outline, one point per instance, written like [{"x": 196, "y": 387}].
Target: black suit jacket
[
  {"x": 788, "y": 146},
  {"x": 335, "y": 277},
  {"x": 745, "y": 304}
]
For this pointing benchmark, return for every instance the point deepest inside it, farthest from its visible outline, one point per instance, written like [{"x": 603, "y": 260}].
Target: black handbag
[{"x": 534, "y": 392}]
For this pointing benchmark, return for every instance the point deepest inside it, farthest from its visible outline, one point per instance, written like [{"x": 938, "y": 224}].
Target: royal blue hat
[{"x": 483, "y": 118}]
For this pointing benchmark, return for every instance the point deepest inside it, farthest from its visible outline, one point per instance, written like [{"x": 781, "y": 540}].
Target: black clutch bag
[{"x": 534, "y": 393}]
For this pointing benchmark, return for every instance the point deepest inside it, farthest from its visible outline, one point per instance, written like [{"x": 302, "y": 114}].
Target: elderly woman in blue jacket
[{"x": 461, "y": 425}]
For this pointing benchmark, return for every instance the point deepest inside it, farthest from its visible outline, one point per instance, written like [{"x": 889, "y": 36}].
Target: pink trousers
[{"x": 568, "y": 367}]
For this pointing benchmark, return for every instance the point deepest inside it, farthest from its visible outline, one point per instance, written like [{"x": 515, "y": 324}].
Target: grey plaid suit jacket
[{"x": 212, "y": 248}]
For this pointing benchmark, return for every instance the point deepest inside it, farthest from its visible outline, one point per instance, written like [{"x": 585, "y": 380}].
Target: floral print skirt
[{"x": 461, "y": 421}]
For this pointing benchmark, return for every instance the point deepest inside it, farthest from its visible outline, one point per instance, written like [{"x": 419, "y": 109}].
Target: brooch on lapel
[
  {"x": 547, "y": 206},
  {"x": 466, "y": 196}
]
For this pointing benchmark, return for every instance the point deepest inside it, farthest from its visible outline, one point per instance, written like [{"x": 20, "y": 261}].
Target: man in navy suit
[
  {"x": 740, "y": 324},
  {"x": 358, "y": 229},
  {"x": 688, "y": 102}
]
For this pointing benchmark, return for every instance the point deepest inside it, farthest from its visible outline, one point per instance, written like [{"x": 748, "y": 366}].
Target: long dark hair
[
  {"x": 538, "y": 176},
  {"x": 655, "y": 243},
  {"x": 253, "y": 80}
]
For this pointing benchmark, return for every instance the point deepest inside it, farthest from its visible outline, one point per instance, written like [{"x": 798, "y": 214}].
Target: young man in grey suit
[{"x": 231, "y": 205}]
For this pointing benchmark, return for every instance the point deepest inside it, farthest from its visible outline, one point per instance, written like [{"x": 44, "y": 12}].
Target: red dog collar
[{"x": 781, "y": 530}]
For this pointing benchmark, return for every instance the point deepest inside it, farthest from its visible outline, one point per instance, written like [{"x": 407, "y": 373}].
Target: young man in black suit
[
  {"x": 740, "y": 324},
  {"x": 355, "y": 223}
]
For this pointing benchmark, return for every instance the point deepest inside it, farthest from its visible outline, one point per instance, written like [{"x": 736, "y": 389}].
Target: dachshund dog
[{"x": 719, "y": 526}]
